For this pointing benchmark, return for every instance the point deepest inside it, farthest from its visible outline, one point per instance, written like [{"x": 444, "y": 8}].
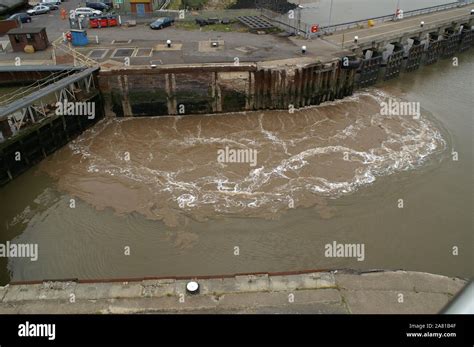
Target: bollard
[
  {"x": 192, "y": 287},
  {"x": 168, "y": 43},
  {"x": 356, "y": 39},
  {"x": 422, "y": 24},
  {"x": 303, "y": 49}
]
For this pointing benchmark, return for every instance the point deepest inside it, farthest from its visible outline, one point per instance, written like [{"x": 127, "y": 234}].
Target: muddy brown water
[{"x": 330, "y": 173}]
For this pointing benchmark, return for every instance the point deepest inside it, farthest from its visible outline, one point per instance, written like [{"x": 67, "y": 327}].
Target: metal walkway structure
[
  {"x": 407, "y": 26},
  {"x": 65, "y": 82},
  {"x": 65, "y": 89}
]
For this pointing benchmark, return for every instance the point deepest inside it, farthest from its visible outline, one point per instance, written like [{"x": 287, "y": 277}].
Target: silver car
[{"x": 38, "y": 9}]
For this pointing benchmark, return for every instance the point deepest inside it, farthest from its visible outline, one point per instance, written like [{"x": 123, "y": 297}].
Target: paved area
[
  {"x": 110, "y": 45},
  {"x": 243, "y": 45},
  {"x": 319, "y": 292},
  {"x": 389, "y": 29}
]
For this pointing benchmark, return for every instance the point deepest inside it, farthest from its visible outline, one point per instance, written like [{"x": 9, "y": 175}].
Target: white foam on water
[{"x": 274, "y": 184}]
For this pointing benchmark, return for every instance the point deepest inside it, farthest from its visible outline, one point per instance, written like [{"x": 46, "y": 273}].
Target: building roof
[{"x": 25, "y": 30}]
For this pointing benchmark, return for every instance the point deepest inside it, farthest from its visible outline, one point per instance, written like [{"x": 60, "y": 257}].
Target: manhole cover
[{"x": 123, "y": 52}]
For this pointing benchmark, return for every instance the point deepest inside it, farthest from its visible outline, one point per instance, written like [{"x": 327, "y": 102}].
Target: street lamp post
[
  {"x": 299, "y": 20},
  {"x": 330, "y": 14}
]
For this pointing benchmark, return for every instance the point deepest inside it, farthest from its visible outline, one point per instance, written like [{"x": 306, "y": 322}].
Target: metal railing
[
  {"x": 297, "y": 26},
  {"x": 292, "y": 24},
  {"x": 392, "y": 17},
  {"x": 79, "y": 58},
  {"x": 188, "y": 15}
]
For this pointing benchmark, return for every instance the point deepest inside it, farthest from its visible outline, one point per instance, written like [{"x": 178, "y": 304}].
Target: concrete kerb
[
  {"x": 399, "y": 280},
  {"x": 340, "y": 291}
]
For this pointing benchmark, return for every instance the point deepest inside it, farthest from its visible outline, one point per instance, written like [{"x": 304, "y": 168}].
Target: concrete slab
[
  {"x": 306, "y": 293},
  {"x": 98, "y": 53},
  {"x": 92, "y": 291},
  {"x": 206, "y": 46},
  {"x": 299, "y": 309},
  {"x": 388, "y": 302},
  {"x": 143, "y": 52},
  {"x": 164, "y": 47},
  {"x": 316, "y": 280},
  {"x": 3, "y": 291},
  {"x": 425, "y": 282},
  {"x": 57, "y": 290},
  {"x": 319, "y": 280},
  {"x": 158, "y": 288},
  {"x": 9, "y": 309},
  {"x": 22, "y": 293},
  {"x": 316, "y": 296},
  {"x": 278, "y": 299},
  {"x": 218, "y": 286},
  {"x": 126, "y": 290},
  {"x": 123, "y": 52},
  {"x": 399, "y": 280},
  {"x": 252, "y": 283}
]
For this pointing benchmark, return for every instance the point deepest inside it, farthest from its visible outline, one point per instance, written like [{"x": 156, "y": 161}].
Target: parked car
[
  {"x": 161, "y": 23},
  {"x": 38, "y": 9},
  {"x": 87, "y": 12},
  {"x": 50, "y": 2},
  {"x": 21, "y": 17},
  {"x": 209, "y": 21},
  {"x": 98, "y": 6},
  {"x": 52, "y": 6}
]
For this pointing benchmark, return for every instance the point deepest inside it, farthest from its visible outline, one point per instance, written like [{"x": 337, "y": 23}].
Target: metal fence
[
  {"x": 292, "y": 22},
  {"x": 189, "y": 16},
  {"x": 392, "y": 17}
]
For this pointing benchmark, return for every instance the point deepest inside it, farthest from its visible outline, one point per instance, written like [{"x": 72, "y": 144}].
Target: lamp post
[
  {"x": 330, "y": 14},
  {"x": 299, "y": 20}
]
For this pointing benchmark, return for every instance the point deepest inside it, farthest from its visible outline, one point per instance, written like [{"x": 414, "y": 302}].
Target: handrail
[
  {"x": 17, "y": 94},
  {"x": 84, "y": 60},
  {"x": 431, "y": 9},
  {"x": 298, "y": 25}
]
